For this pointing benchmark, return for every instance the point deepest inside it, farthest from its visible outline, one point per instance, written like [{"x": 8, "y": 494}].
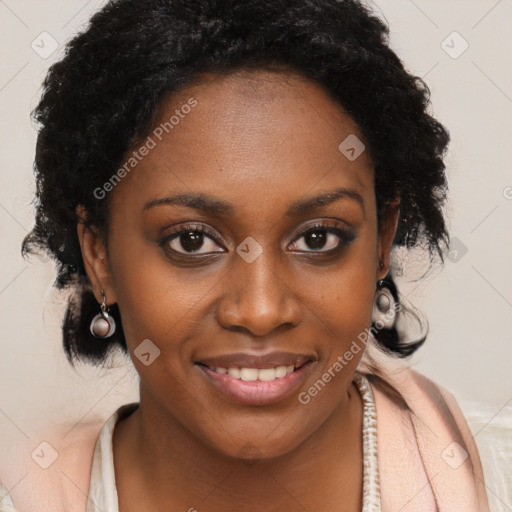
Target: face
[{"x": 244, "y": 238}]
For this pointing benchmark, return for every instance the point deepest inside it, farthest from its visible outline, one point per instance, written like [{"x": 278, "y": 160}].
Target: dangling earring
[
  {"x": 103, "y": 325},
  {"x": 384, "y": 307}
]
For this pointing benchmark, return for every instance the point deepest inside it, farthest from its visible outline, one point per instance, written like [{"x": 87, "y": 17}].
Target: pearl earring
[
  {"x": 384, "y": 307},
  {"x": 103, "y": 325}
]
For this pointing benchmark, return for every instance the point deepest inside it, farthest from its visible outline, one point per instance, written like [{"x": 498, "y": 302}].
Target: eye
[
  {"x": 323, "y": 238},
  {"x": 190, "y": 239}
]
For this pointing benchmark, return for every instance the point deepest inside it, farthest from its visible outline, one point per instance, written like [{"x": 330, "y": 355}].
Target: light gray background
[{"x": 468, "y": 303}]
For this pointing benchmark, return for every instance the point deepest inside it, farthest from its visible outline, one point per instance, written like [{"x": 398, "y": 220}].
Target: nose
[{"x": 258, "y": 299}]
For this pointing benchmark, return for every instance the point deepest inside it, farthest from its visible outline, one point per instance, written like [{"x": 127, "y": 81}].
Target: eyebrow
[{"x": 215, "y": 206}]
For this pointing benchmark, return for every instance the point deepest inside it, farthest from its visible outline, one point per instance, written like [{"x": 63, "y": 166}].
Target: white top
[
  {"x": 102, "y": 488},
  {"x": 492, "y": 430}
]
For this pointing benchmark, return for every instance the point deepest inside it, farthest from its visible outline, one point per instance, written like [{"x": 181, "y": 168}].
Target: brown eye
[
  {"x": 191, "y": 240},
  {"x": 322, "y": 238}
]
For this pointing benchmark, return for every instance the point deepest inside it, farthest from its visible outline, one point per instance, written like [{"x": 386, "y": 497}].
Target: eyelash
[{"x": 345, "y": 236}]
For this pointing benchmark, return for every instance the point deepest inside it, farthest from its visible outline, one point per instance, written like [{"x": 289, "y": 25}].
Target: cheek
[
  {"x": 152, "y": 297},
  {"x": 347, "y": 302},
  {"x": 352, "y": 300},
  {"x": 350, "y": 290}
]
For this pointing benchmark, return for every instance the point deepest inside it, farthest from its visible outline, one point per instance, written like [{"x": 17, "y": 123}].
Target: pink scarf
[{"x": 428, "y": 459}]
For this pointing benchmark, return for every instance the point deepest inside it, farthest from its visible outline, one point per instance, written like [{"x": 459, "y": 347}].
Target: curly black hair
[{"x": 103, "y": 97}]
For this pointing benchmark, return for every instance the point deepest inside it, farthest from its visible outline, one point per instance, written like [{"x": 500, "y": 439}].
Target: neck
[{"x": 163, "y": 463}]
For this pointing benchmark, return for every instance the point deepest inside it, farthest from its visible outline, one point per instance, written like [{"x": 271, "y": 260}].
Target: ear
[
  {"x": 386, "y": 234},
  {"x": 95, "y": 259}
]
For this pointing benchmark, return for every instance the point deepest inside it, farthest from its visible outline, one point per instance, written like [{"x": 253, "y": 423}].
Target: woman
[{"x": 221, "y": 184}]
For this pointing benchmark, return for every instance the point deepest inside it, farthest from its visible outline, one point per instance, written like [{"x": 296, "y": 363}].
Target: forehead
[{"x": 272, "y": 133}]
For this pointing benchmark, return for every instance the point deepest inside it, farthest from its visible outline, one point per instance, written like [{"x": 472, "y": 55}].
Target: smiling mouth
[
  {"x": 250, "y": 374},
  {"x": 256, "y": 378},
  {"x": 265, "y": 382}
]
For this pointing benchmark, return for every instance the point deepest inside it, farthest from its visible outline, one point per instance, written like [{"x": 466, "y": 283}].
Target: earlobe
[{"x": 95, "y": 259}]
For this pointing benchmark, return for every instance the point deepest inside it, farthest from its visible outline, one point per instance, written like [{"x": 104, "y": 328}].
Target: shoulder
[
  {"x": 52, "y": 467},
  {"x": 471, "y": 428},
  {"x": 490, "y": 429},
  {"x": 56, "y": 469}
]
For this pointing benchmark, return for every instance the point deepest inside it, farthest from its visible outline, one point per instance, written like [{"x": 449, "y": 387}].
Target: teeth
[
  {"x": 281, "y": 371},
  {"x": 252, "y": 374},
  {"x": 234, "y": 372},
  {"x": 248, "y": 374},
  {"x": 267, "y": 374}
]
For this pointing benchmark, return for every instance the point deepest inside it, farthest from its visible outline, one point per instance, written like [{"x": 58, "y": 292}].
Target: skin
[{"x": 268, "y": 140}]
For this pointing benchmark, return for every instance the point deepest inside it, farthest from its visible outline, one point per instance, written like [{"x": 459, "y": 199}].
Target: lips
[
  {"x": 258, "y": 361},
  {"x": 257, "y": 379}
]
